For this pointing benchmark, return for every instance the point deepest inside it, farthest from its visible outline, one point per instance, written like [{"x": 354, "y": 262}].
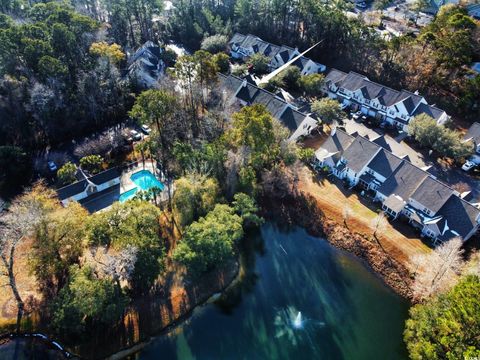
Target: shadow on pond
[{"x": 298, "y": 298}]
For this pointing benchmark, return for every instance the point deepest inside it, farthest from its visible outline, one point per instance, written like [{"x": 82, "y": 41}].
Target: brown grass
[{"x": 399, "y": 240}]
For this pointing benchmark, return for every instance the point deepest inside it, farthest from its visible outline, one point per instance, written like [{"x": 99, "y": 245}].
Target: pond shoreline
[
  {"x": 303, "y": 210},
  {"x": 299, "y": 210},
  {"x": 125, "y": 352}
]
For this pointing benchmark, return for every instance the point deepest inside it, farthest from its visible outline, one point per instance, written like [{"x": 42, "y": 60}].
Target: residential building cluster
[
  {"x": 389, "y": 106},
  {"x": 394, "y": 107},
  {"x": 145, "y": 66},
  {"x": 403, "y": 189},
  {"x": 244, "y": 46},
  {"x": 244, "y": 93}
]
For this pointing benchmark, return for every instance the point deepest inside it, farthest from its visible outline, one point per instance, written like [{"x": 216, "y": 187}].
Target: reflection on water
[{"x": 299, "y": 298}]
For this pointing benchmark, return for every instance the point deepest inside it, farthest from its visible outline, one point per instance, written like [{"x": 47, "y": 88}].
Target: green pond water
[{"x": 300, "y": 299}]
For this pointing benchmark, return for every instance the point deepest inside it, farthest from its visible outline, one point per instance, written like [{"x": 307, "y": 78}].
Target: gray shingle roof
[
  {"x": 230, "y": 83},
  {"x": 273, "y": 104},
  {"x": 247, "y": 93},
  {"x": 409, "y": 100},
  {"x": 72, "y": 189},
  {"x": 431, "y": 111},
  {"x": 335, "y": 77},
  {"x": 384, "y": 163},
  {"x": 460, "y": 215},
  {"x": 432, "y": 194},
  {"x": 291, "y": 119},
  {"x": 338, "y": 141},
  {"x": 394, "y": 203},
  {"x": 359, "y": 153},
  {"x": 404, "y": 181},
  {"x": 473, "y": 133},
  {"x": 79, "y": 186},
  {"x": 371, "y": 90},
  {"x": 301, "y": 62},
  {"x": 105, "y": 176},
  {"x": 251, "y": 94},
  {"x": 353, "y": 81},
  {"x": 237, "y": 39},
  {"x": 388, "y": 96}
]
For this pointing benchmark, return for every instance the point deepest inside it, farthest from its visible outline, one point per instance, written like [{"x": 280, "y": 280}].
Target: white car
[
  {"x": 135, "y": 135},
  {"x": 146, "y": 129},
  {"x": 52, "y": 166},
  {"x": 468, "y": 165}
]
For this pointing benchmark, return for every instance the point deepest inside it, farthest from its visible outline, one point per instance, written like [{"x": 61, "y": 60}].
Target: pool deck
[
  {"x": 126, "y": 182},
  {"x": 104, "y": 199}
]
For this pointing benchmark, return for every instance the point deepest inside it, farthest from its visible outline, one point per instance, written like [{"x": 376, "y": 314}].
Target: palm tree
[{"x": 156, "y": 107}]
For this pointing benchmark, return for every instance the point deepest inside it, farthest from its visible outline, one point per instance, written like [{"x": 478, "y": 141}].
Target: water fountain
[{"x": 297, "y": 322}]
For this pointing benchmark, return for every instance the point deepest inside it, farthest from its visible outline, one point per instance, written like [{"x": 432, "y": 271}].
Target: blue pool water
[
  {"x": 127, "y": 194},
  {"x": 144, "y": 180}
]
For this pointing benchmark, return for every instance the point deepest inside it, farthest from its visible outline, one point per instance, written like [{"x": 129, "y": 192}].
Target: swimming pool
[{"x": 144, "y": 180}]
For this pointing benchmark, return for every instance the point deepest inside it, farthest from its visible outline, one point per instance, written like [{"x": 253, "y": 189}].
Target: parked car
[
  {"x": 361, "y": 5},
  {"x": 52, "y": 166},
  {"x": 344, "y": 107},
  {"x": 468, "y": 165},
  {"x": 135, "y": 135},
  {"x": 363, "y": 118},
  {"x": 357, "y": 115},
  {"x": 146, "y": 129}
]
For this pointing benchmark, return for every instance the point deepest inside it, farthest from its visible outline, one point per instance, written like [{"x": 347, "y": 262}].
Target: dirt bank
[
  {"x": 303, "y": 210},
  {"x": 155, "y": 314}
]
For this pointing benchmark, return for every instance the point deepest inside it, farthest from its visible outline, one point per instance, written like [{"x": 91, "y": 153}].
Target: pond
[{"x": 299, "y": 298}]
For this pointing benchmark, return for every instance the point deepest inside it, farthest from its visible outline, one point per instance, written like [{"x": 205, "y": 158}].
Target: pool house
[{"x": 117, "y": 184}]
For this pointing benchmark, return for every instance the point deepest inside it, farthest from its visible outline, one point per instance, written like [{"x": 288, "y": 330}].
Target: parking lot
[{"x": 452, "y": 175}]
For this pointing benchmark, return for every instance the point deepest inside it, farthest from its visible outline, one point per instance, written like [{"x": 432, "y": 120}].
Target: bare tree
[
  {"x": 234, "y": 162},
  {"x": 438, "y": 270},
  {"x": 15, "y": 226},
  {"x": 346, "y": 214},
  {"x": 379, "y": 224},
  {"x": 120, "y": 266}
]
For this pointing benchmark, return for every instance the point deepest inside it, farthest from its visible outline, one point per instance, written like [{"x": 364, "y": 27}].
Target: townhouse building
[
  {"x": 244, "y": 46},
  {"x": 243, "y": 93},
  {"x": 403, "y": 189},
  {"x": 394, "y": 107}
]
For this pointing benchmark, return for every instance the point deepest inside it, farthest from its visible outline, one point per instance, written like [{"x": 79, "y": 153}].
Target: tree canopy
[
  {"x": 210, "y": 241},
  {"x": 447, "y": 142},
  {"x": 446, "y": 327},
  {"x": 328, "y": 111}
]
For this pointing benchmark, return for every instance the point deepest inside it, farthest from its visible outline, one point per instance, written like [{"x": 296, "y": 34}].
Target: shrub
[
  {"x": 215, "y": 43},
  {"x": 91, "y": 163},
  {"x": 428, "y": 133},
  {"x": 222, "y": 61},
  {"x": 259, "y": 63},
  {"x": 66, "y": 174}
]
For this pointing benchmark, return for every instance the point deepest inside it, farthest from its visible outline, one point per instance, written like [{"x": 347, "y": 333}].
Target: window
[{"x": 367, "y": 101}]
